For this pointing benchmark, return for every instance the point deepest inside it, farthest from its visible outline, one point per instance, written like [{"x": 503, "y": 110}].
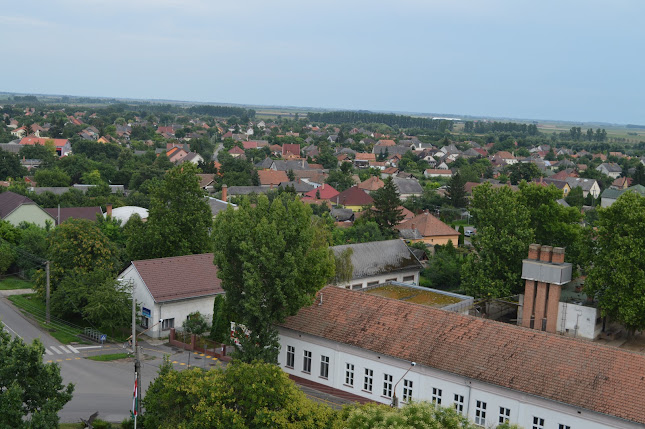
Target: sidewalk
[{"x": 10, "y": 292}]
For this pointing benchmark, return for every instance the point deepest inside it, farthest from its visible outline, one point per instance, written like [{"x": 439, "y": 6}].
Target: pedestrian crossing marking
[{"x": 58, "y": 352}]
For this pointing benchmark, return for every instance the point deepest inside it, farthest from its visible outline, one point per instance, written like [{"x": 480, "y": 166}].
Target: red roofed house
[
  {"x": 291, "y": 150},
  {"x": 272, "y": 177},
  {"x": 371, "y": 184},
  {"x": 360, "y": 346},
  {"x": 353, "y": 198},
  {"x": 170, "y": 289},
  {"x": 362, "y": 160},
  {"x": 324, "y": 192},
  {"x": 435, "y": 172},
  {"x": 63, "y": 146},
  {"x": 236, "y": 151},
  {"x": 427, "y": 229}
]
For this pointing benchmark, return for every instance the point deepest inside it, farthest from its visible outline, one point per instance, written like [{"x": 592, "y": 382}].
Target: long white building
[{"x": 358, "y": 345}]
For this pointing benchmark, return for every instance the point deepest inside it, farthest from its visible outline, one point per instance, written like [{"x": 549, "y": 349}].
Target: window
[
  {"x": 168, "y": 324},
  {"x": 480, "y": 413},
  {"x": 372, "y": 283},
  {"x": 390, "y": 280},
  {"x": 538, "y": 423},
  {"x": 144, "y": 322},
  {"x": 459, "y": 403},
  {"x": 436, "y": 396},
  {"x": 407, "y": 390},
  {"x": 349, "y": 374},
  {"x": 561, "y": 426},
  {"x": 324, "y": 366},
  {"x": 387, "y": 385},
  {"x": 306, "y": 362},
  {"x": 408, "y": 279},
  {"x": 504, "y": 415},
  {"x": 357, "y": 286},
  {"x": 291, "y": 356},
  {"x": 369, "y": 380}
]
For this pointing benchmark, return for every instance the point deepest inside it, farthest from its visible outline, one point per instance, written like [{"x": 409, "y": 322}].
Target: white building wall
[
  {"x": 579, "y": 321},
  {"x": 523, "y": 406},
  {"x": 395, "y": 277}
]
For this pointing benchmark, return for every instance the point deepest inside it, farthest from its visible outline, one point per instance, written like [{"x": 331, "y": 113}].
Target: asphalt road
[{"x": 105, "y": 387}]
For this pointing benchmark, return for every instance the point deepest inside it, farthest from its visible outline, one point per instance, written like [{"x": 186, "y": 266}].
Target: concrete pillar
[
  {"x": 552, "y": 308},
  {"x": 529, "y": 299},
  {"x": 540, "y": 305}
]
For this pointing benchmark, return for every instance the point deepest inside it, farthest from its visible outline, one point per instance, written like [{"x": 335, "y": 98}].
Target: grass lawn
[
  {"x": 32, "y": 304},
  {"x": 109, "y": 357},
  {"x": 9, "y": 283}
]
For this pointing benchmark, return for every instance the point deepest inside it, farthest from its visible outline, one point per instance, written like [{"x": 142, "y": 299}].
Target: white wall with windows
[
  {"x": 378, "y": 377},
  {"x": 409, "y": 277}
]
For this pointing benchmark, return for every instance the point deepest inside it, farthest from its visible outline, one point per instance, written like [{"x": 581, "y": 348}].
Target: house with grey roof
[
  {"x": 407, "y": 187},
  {"x": 16, "y": 208},
  {"x": 610, "y": 169},
  {"x": 589, "y": 186},
  {"x": 379, "y": 262},
  {"x": 610, "y": 195}
]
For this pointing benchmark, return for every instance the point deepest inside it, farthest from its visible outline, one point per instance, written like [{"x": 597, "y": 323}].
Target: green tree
[
  {"x": 387, "y": 211},
  {"x": 639, "y": 175},
  {"x": 503, "y": 236},
  {"x": 444, "y": 268},
  {"x": 52, "y": 177},
  {"x": 256, "y": 395},
  {"x": 523, "y": 171},
  {"x": 575, "y": 197},
  {"x": 196, "y": 324},
  {"x": 291, "y": 175},
  {"x": 221, "y": 326},
  {"x": 178, "y": 221},
  {"x": 617, "y": 274},
  {"x": 272, "y": 259},
  {"x": 415, "y": 415},
  {"x": 456, "y": 191},
  {"x": 31, "y": 391},
  {"x": 109, "y": 304},
  {"x": 10, "y": 166},
  {"x": 92, "y": 178},
  {"x": 341, "y": 179}
]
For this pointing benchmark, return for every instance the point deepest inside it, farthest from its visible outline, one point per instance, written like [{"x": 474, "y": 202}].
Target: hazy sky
[{"x": 562, "y": 59}]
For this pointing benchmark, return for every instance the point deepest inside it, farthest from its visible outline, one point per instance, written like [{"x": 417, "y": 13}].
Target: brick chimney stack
[
  {"x": 534, "y": 251},
  {"x": 545, "y": 254},
  {"x": 224, "y": 192},
  {"x": 557, "y": 257}
]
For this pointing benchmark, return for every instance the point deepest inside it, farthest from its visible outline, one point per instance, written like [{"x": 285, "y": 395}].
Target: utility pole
[
  {"x": 47, "y": 293},
  {"x": 137, "y": 365}
]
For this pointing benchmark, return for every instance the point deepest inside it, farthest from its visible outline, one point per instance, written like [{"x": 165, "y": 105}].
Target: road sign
[{"x": 103, "y": 337}]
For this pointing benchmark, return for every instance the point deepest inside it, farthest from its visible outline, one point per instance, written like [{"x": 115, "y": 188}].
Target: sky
[{"x": 572, "y": 60}]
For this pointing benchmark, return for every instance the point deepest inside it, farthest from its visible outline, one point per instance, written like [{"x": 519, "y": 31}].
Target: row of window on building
[
  {"x": 481, "y": 412},
  {"x": 406, "y": 279}
]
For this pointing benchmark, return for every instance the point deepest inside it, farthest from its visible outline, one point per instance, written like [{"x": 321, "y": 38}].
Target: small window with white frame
[
  {"x": 168, "y": 324},
  {"x": 324, "y": 366},
  {"x": 306, "y": 361},
  {"x": 459, "y": 403},
  {"x": 562, "y": 426},
  {"x": 436, "y": 396},
  {"x": 349, "y": 374},
  {"x": 291, "y": 356},
  {"x": 369, "y": 380},
  {"x": 480, "y": 413},
  {"x": 504, "y": 415},
  {"x": 538, "y": 422},
  {"x": 387, "y": 385},
  {"x": 407, "y": 279},
  {"x": 407, "y": 390}
]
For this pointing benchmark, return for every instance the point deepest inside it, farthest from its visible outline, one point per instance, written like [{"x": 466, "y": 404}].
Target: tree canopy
[
  {"x": 272, "y": 258},
  {"x": 387, "y": 211},
  {"x": 31, "y": 391},
  {"x": 617, "y": 274}
]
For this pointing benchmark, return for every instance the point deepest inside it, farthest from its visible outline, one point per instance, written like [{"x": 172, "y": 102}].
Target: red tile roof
[
  {"x": 353, "y": 196},
  {"x": 365, "y": 156},
  {"x": 385, "y": 143},
  {"x": 272, "y": 177},
  {"x": 41, "y": 141},
  {"x": 442, "y": 172},
  {"x": 579, "y": 373},
  {"x": 428, "y": 226},
  {"x": 326, "y": 192},
  {"x": 180, "y": 277},
  {"x": 291, "y": 148},
  {"x": 371, "y": 184},
  {"x": 236, "y": 150}
]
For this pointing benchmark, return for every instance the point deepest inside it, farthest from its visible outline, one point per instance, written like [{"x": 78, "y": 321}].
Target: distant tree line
[
  {"x": 222, "y": 111},
  {"x": 392, "y": 120},
  {"x": 480, "y": 127}
]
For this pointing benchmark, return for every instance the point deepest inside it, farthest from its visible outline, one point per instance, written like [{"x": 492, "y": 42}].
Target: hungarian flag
[{"x": 135, "y": 406}]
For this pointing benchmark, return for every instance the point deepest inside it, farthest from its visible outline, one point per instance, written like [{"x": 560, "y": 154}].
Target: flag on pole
[{"x": 135, "y": 406}]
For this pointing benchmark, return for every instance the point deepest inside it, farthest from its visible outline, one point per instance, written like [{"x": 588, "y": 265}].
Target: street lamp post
[{"x": 395, "y": 400}]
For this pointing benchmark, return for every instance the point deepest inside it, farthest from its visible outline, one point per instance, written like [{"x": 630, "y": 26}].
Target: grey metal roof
[
  {"x": 10, "y": 147},
  {"x": 298, "y": 186},
  {"x": 290, "y": 165},
  {"x": 245, "y": 190},
  {"x": 407, "y": 186},
  {"x": 218, "y": 205},
  {"x": 342, "y": 215},
  {"x": 580, "y": 182},
  {"x": 391, "y": 150},
  {"x": 56, "y": 190},
  {"x": 380, "y": 257}
]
